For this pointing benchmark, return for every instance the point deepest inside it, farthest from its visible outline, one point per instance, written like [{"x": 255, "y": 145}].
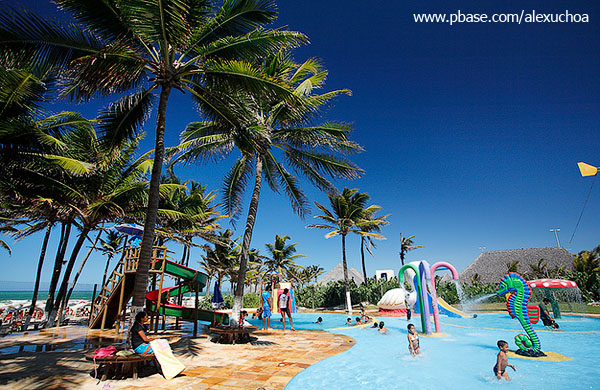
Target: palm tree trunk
[
  {"x": 141, "y": 276},
  {"x": 238, "y": 299},
  {"x": 346, "y": 283},
  {"x": 110, "y": 256},
  {"x": 59, "y": 305},
  {"x": 85, "y": 259},
  {"x": 362, "y": 255},
  {"x": 402, "y": 258},
  {"x": 36, "y": 286},
  {"x": 65, "y": 232}
]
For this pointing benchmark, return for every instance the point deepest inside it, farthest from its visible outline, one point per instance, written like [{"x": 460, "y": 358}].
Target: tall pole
[{"x": 556, "y": 230}]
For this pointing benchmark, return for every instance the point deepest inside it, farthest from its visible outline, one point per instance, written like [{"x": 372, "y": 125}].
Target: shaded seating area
[
  {"x": 229, "y": 335},
  {"x": 116, "y": 367}
]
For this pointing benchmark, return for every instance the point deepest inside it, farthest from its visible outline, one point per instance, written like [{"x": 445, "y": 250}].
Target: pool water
[{"x": 462, "y": 359}]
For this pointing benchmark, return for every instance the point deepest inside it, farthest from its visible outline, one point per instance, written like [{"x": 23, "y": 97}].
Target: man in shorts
[{"x": 266, "y": 315}]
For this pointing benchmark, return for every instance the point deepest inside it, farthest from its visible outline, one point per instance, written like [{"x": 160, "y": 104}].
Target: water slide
[
  {"x": 188, "y": 276},
  {"x": 445, "y": 308},
  {"x": 449, "y": 310}
]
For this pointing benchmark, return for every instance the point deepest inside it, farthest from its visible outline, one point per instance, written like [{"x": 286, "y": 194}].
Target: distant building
[
  {"x": 337, "y": 273},
  {"x": 492, "y": 266},
  {"x": 385, "y": 274}
]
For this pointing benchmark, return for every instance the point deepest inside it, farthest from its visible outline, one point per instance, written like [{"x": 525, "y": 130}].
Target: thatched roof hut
[
  {"x": 337, "y": 273},
  {"x": 492, "y": 266}
]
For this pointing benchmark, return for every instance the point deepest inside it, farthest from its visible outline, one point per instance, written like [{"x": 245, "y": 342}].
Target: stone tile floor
[{"x": 269, "y": 361}]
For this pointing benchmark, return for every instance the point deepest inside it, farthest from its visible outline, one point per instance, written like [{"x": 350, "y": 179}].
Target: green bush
[
  {"x": 251, "y": 300},
  {"x": 447, "y": 291},
  {"x": 333, "y": 293}
]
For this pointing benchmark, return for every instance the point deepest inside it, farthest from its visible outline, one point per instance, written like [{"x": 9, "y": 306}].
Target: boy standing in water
[
  {"x": 502, "y": 361},
  {"x": 413, "y": 341}
]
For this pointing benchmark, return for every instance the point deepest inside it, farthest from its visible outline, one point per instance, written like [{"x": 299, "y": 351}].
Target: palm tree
[
  {"x": 406, "y": 244},
  {"x": 282, "y": 257},
  {"x": 150, "y": 47},
  {"x": 110, "y": 247},
  {"x": 313, "y": 271},
  {"x": 260, "y": 126},
  {"x": 366, "y": 242},
  {"x": 513, "y": 266},
  {"x": 347, "y": 216},
  {"x": 186, "y": 213},
  {"x": 221, "y": 259}
]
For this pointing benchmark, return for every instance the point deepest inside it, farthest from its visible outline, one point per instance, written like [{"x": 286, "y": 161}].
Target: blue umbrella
[
  {"x": 217, "y": 299},
  {"x": 130, "y": 229}
]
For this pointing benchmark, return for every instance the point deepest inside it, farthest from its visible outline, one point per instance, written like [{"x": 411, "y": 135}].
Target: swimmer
[
  {"x": 413, "y": 341},
  {"x": 502, "y": 361},
  {"x": 382, "y": 329}
]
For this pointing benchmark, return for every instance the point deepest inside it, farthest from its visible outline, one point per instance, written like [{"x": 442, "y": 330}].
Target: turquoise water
[
  {"x": 42, "y": 295},
  {"x": 463, "y": 359}
]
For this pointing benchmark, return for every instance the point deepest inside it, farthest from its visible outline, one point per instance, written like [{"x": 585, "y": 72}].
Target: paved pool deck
[{"x": 269, "y": 361}]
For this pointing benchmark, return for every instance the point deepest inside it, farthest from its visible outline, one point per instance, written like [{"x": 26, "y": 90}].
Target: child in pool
[
  {"x": 358, "y": 321},
  {"x": 413, "y": 341},
  {"x": 375, "y": 325},
  {"x": 502, "y": 361},
  {"x": 319, "y": 320},
  {"x": 382, "y": 329},
  {"x": 349, "y": 321}
]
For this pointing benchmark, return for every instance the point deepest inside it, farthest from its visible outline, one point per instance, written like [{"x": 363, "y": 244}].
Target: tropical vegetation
[
  {"x": 262, "y": 127},
  {"x": 349, "y": 214},
  {"x": 181, "y": 45}
]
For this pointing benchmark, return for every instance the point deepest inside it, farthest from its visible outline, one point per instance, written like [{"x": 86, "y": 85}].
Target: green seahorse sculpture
[{"x": 514, "y": 284}]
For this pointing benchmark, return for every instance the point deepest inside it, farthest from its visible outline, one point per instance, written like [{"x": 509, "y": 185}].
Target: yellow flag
[{"x": 586, "y": 169}]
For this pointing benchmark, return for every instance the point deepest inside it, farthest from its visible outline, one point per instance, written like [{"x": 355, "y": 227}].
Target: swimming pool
[{"x": 462, "y": 359}]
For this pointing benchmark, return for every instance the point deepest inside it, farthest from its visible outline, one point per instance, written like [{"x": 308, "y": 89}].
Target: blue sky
[{"x": 472, "y": 132}]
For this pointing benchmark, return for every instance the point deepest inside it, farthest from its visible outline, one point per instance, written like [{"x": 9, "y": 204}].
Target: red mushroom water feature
[{"x": 547, "y": 285}]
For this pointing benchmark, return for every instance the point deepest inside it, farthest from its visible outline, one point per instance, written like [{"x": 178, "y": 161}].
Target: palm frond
[
  {"x": 234, "y": 186},
  {"x": 119, "y": 122},
  {"x": 35, "y": 39}
]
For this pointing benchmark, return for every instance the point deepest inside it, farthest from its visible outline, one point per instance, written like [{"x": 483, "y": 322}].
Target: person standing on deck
[
  {"x": 266, "y": 296},
  {"x": 284, "y": 307}
]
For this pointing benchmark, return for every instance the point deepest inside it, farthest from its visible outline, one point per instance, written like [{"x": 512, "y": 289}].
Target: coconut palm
[
  {"x": 261, "y": 127},
  {"x": 110, "y": 247},
  {"x": 366, "y": 242},
  {"x": 406, "y": 244},
  {"x": 347, "y": 214},
  {"x": 223, "y": 256},
  {"x": 115, "y": 190},
  {"x": 149, "y": 47},
  {"x": 282, "y": 257},
  {"x": 186, "y": 213}
]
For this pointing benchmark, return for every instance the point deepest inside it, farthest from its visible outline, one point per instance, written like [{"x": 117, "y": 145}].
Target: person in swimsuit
[
  {"x": 502, "y": 361},
  {"x": 413, "y": 341},
  {"x": 545, "y": 316},
  {"x": 139, "y": 341},
  {"x": 319, "y": 320},
  {"x": 382, "y": 328},
  {"x": 408, "y": 310},
  {"x": 266, "y": 314},
  {"x": 284, "y": 308},
  {"x": 349, "y": 321}
]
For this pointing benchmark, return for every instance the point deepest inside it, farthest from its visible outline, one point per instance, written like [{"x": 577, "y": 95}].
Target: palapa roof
[
  {"x": 492, "y": 266},
  {"x": 337, "y": 273}
]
